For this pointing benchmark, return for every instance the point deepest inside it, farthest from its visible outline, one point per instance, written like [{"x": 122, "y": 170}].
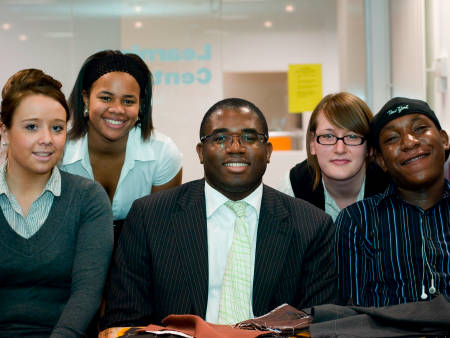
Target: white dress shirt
[
  {"x": 220, "y": 223},
  {"x": 147, "y": 163}
]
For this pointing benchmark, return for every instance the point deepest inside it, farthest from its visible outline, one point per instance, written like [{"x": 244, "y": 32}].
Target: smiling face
[
  {"x": 36, "y": 137},
  {"x": 234, "y": 169},
  {"x": 338, "y": 162},
  {"x": 413, "y": 151},
  {"x": 113, "y": 105}
]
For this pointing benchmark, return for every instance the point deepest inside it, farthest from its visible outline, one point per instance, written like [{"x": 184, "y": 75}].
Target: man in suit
[{"x": 187, "y": 251}]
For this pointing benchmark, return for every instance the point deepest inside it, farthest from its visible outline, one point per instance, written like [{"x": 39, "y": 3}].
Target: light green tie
[{"x": 235, "y": 297}]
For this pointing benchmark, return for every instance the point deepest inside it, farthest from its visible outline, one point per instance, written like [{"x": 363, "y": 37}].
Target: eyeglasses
[
  {"x": 349, "y": 140},
  {"x": 245, "y": 139}
]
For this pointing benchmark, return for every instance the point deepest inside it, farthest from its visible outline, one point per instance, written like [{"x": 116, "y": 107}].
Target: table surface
[{"x": 117, "y": 332}]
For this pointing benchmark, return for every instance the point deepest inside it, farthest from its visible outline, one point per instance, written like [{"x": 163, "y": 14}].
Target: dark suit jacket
[{"x": 161, "y": 263}]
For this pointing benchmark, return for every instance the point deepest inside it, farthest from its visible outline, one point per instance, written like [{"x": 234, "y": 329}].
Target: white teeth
[
  {"x": 414, "y": 159},
  {"x": 114, "y": 121},
  {"x": 43, "y": 154},
  {"x": 236, "y": 164}
]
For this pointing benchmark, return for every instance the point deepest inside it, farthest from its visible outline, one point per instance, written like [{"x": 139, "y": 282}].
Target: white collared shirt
[
  {"x": 147, "y": 163},
  {"x": 220, "y": 223}
]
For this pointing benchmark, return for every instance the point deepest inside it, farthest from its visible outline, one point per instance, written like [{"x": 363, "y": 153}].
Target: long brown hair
[{"x": 343, "y": 110}]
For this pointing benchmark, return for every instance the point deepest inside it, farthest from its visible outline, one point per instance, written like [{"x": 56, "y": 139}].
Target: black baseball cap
[{"x": 398, "y": 107}]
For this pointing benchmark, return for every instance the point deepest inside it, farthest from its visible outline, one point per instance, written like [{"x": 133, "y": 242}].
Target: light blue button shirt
[
  {"x": 39, "y": 209},
  {"x": 331, "y": 207},
  {"x": 147, "y": 163},
  {"x": 220, "y": 223}
]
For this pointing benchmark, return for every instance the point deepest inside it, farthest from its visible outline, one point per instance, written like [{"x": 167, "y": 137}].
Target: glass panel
[{"x": 199, "y": 51}]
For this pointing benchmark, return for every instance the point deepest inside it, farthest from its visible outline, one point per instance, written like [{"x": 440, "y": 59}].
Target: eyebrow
[
  {"x": 38, "y": 120},
  {"x": 419, "y": 117},
  {"x": 326, "y": 129},
  {"x": 105, "y": 92},
  {"x": 112, "y": 94},
  {"x": 244, "y": 130}
]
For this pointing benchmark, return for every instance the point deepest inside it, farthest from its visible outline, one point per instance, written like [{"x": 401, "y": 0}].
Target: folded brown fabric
[
  {"x": 196, "y": 327},
  {"x": 283, "y": 319}
]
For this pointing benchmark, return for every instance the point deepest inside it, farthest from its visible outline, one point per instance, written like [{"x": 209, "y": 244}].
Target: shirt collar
[
  {"x": 53, "y": 184},
  {"x": 79, "y": 149},
  {"x": 215, "y": 199},
  {"x": 391, "y": 191},
  {"x": 76, "y": 150},
  {"x": 135, "y": 149}
]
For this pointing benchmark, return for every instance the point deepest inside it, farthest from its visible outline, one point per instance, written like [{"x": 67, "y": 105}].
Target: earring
[
  {"x": 4, "y": 144},
  {"x": 86, "y": 112},
  {"x": 138, "y": 121}
]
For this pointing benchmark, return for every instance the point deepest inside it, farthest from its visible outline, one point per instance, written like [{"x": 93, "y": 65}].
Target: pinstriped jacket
[{"x": 161, "y": 263}]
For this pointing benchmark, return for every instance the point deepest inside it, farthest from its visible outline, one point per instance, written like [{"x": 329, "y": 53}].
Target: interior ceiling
[
  {"x": 236, "y": 15},
  {"x": 120, "y": 8}
]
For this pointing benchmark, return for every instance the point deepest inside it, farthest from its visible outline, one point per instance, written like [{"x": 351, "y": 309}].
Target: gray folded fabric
[{"x": 404, "y": 320}]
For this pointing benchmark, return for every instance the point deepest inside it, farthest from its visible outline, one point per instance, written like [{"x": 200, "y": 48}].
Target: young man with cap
[{"x": 393, "y": 247}]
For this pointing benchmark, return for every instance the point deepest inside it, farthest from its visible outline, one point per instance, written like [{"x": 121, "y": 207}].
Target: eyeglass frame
[
  {"x": 264, "y": 139},
  {"x": 362, "y": 138}
]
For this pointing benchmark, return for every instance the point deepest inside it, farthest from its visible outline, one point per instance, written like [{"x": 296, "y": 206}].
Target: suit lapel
[
  {"x": 189, "y": 225},
  {"x": 271, "y": 248}
]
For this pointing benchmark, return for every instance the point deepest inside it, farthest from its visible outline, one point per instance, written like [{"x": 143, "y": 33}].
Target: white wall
[
  {"x": 408, "y": 48},
  {"x": 352, "y": 46},
  {"x": 241, "y": 46},
  {"x": 57, "y": 41},
  {"x": 318, "y": 45},
  {"x": 439, "y": 43}
]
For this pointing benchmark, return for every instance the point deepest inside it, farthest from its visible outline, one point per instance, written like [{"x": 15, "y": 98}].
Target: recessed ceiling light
[
  {"x": 23, "y": 37},
  {"x": 289, "y": 8},
  {"x": 6, "y": 26},
  {"x": 268, "y": 24},
  {"x": 138, "y": 8},
  {"x": 138, "y": 24}
]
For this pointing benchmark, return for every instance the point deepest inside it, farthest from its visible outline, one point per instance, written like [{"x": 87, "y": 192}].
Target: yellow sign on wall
[{"x": 304, "y": 87}]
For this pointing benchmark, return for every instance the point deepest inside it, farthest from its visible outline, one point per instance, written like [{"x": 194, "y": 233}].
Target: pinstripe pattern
[
  {"x": 39, "y": 209},
  {"x": 161, "y": 263},
  {"x": 379, "y": 250}
]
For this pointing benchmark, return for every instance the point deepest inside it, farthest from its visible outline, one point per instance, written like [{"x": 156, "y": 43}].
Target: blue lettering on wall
[
  {"x": 171, "y": 54},
  {"x": 206, "y": 53},
  {"x": 202, "y": 75}
]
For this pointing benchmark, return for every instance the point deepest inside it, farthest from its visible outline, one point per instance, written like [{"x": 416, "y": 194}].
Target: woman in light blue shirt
[{"x": 112, "y": 139}]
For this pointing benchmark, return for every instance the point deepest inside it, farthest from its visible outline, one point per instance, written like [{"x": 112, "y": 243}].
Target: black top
[{"x": 302, "y": 181}]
